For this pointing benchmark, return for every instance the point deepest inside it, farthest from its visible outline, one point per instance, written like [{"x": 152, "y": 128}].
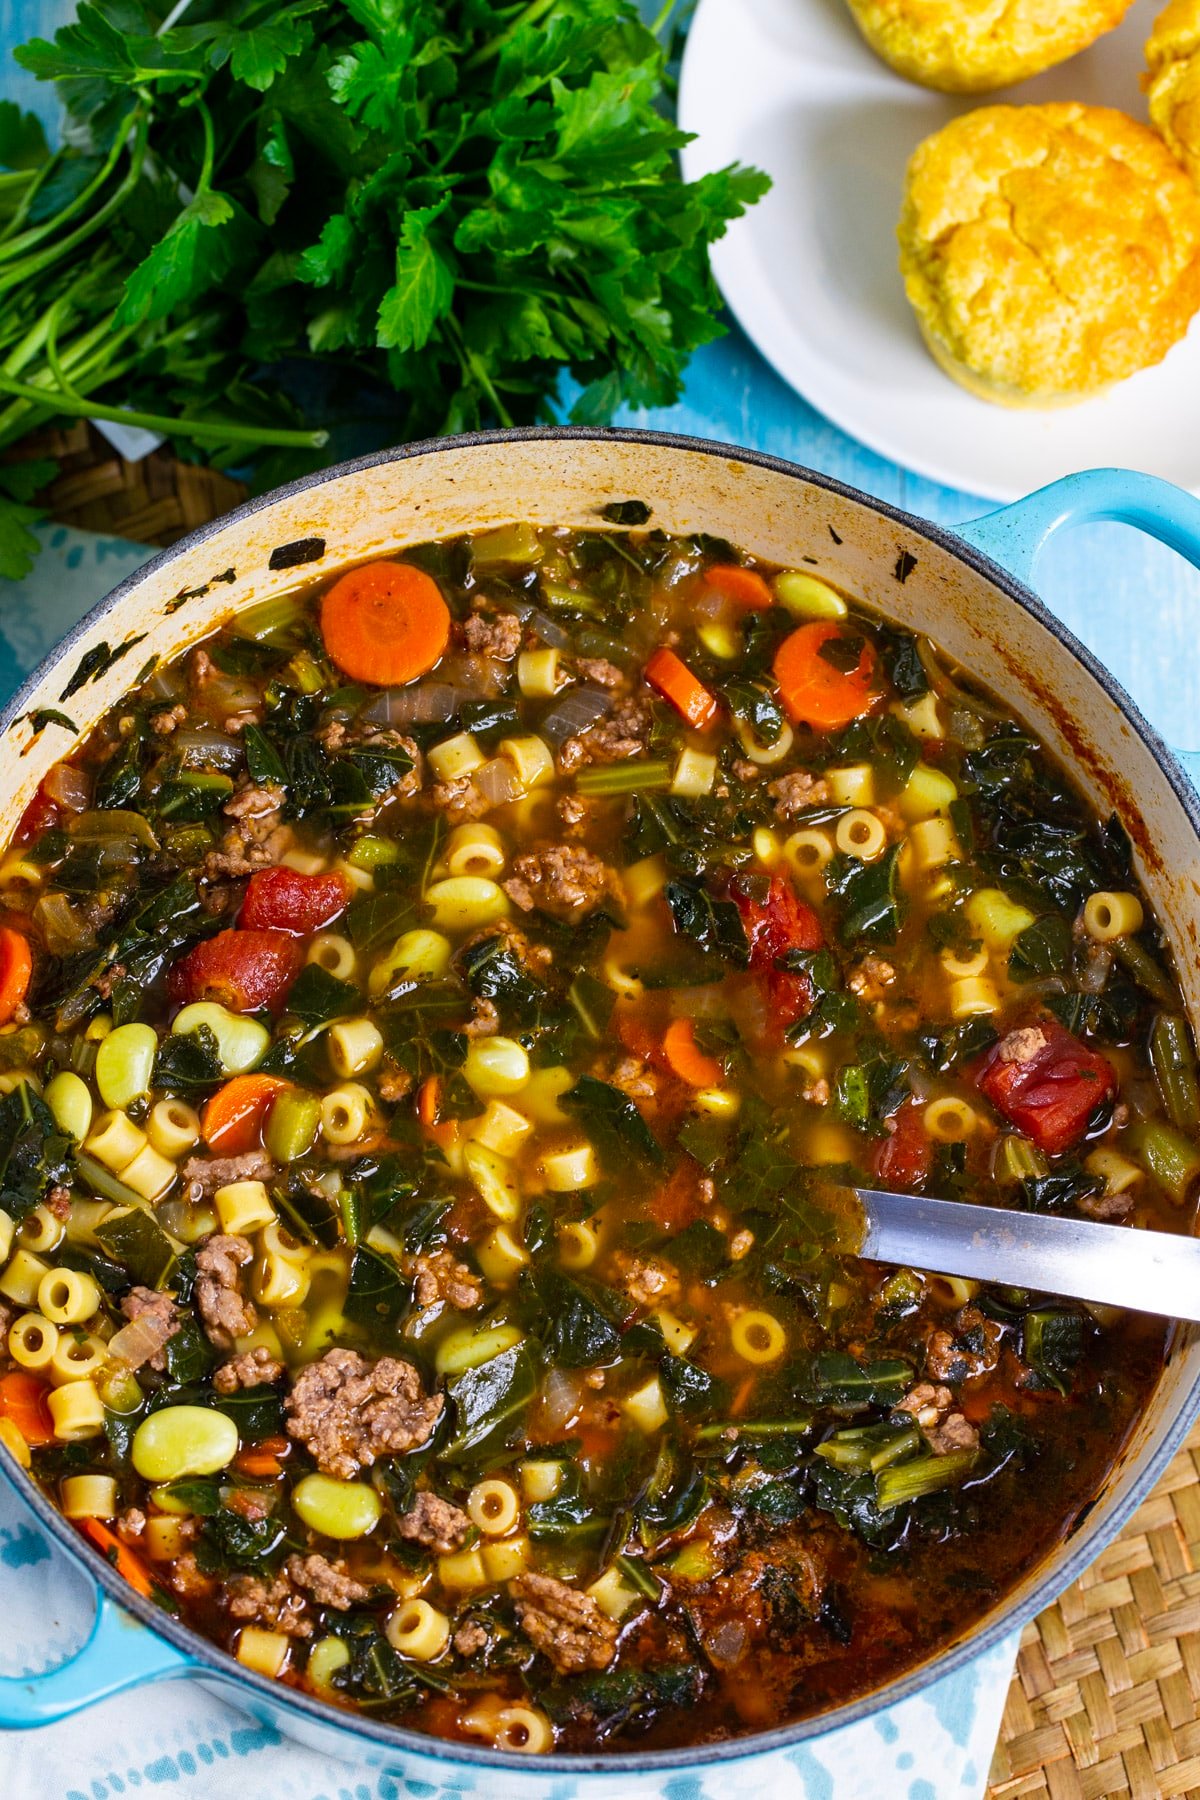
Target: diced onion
[
  {"x": 138, "y": 1341},
  {"x": 498, "y": 781},
  {"x": 68, "y": 786},
  {"x": 201, "y": 748},
  {"x": 576, "y": 712},
  {"x": 560, "y": 1401},
  {"x": 424, "y": 703},
  {"x": 60, "y": 930},
  {"x": 548, "y": 629}
]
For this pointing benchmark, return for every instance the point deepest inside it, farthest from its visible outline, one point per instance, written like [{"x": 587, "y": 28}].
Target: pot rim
[{"x": 209, "y": 1661}]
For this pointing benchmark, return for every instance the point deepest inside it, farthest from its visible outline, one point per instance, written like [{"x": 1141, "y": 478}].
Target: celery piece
[
  {"x": 271, "y": 621},
  {"x": 1174, "y": 1063},
  {"x": 606, "y": 779},
  {"x": 292, "y": 1126},
  {"x": 902, "y": 1482},
  {"x": 1172, "y": 1159}
]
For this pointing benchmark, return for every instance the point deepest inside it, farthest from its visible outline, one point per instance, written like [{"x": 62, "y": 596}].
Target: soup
[{"x": 440, "y": 1015}]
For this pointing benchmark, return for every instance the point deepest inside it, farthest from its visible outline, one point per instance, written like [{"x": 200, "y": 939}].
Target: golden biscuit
[
  {"x": 971, "y": 49},
  {"x": 1173, "y": 83},
  {"x": 1048, "y": 251}
]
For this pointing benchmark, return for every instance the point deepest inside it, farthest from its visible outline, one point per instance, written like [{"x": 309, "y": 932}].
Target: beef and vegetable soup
[{"x": 441, "y": 1015}]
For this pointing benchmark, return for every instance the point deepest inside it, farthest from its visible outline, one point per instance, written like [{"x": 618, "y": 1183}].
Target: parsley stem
[
  {"x": 45, "y": 259},
  {"x": 225, "y": 431},
  {"x": 529, "y": 15},
  {"x": 19, "y": 245}
]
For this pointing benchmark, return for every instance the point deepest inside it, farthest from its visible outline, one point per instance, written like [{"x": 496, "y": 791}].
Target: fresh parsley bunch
[{"x": 270, "y": 223}]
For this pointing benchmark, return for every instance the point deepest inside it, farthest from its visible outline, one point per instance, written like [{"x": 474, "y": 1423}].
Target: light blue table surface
[{"x": 1133, "y": 602}]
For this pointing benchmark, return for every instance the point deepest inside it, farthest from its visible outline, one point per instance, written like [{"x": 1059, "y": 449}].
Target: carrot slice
[
  {"x": 385, "y": 623},
  {"x": 672, "y": 678},
  {"x": 119, "y": 1555},
  {"x": 816, "y": 688},
  {"x": 745, "y": 587},
  {"x": 687, "y": 1059},
  {"x": 234, "y": 1117},
  {"x": 428, "y": 1096},
  {"x": 262, "y": 1460},
  {"x": 16, "y": 967},
  {"x": 23, "y": 1401}
]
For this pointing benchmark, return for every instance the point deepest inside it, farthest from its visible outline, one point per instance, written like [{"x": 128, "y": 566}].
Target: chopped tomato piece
[
  {"x": 39, "y": 816},
  {"x": 776, "y": 923},
  {"x": 284, "y": 900},
  {"x": 904, "y": 1158},
  {"x": 243, "y": 970},
  {"x": 1046, "y": 1083}
]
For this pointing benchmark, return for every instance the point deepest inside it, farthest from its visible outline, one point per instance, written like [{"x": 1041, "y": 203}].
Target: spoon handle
[{"x": 1146, "y": 1271}]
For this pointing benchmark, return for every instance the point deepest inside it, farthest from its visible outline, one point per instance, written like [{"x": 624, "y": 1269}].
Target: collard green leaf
[
  {"x": 868, "y": 898},
  {"x": 316, "y": 996},
  {"x": 490, "y": 1402},
  {"x": 378, "y": 1297},
  {"x": 33, "y": 1151},
  {"x": 575, "y": 1320},
  {"x": 614, "y": 1123},
  {"x": 832, "y": 1378}
]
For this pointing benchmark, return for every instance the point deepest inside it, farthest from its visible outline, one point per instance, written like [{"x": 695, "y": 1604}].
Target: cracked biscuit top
[
  {"x": 1048, "y": 251},
  {"x": 1173, "y": 81},
  {"x": 973, "y": 49}
]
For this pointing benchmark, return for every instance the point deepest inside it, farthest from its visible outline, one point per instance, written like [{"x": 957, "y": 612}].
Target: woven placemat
[
  {"x": 1106, "y": 1695},
  {"x": 1107, "y": 1689},
  {"x": 153, "y": 501}
]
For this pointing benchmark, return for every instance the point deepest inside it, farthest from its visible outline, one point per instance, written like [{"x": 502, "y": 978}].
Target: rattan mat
[{"x": 1105, "y": 1700}]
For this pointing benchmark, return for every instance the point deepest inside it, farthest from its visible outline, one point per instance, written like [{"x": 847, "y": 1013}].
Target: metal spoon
[{"x": 1146, "y": 1271}]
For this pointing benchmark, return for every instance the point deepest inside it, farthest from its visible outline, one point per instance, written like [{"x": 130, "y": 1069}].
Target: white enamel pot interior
[{"x": 911, "y": 572}]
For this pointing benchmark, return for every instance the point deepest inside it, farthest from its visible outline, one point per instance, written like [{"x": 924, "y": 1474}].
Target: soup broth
[{"x": 439, "y": 1015}]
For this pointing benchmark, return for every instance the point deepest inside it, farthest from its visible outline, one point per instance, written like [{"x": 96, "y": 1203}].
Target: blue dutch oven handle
[
  {"x": 119, "y": 1653},
  {"x": 1015, "y": 536}
]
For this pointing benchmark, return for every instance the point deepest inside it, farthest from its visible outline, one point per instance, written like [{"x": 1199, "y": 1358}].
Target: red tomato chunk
[
  {"x": 775, "y": 924},
  {"x": 1046, "y": 1084},
  {"x": 903, "y": 1159},
  {"x": 242, "y": 970},
  {"x": 285, "y": 900}
]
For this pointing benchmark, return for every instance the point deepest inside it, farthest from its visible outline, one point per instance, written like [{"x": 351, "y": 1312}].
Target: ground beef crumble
[
  {"x": 252, "y": 1368},
  {"x": 347, "y": 1411},
  {"x": 329, "y": 1583},
  {"x": 565, "y": 1625},
  {"x": 273, "y": 1603},
  {"x": 436, "y": 1523},
  {"x": 203, "y": 1175},
  {"x": 943, "y": 1428},
  {"x": 971, "y": 1348},
  {"x": 625, "y": 733},
  {"x": 564, "y": 880},
  {"x": 496, "y": 634},
  {"x": 438, "y": 1275},
  {"x": 792, "y": 794},
  {"x": 224, "y": 1311}
]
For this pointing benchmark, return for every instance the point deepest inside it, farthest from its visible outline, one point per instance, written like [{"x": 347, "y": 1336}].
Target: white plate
[{"x": 811, "y": 272}]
